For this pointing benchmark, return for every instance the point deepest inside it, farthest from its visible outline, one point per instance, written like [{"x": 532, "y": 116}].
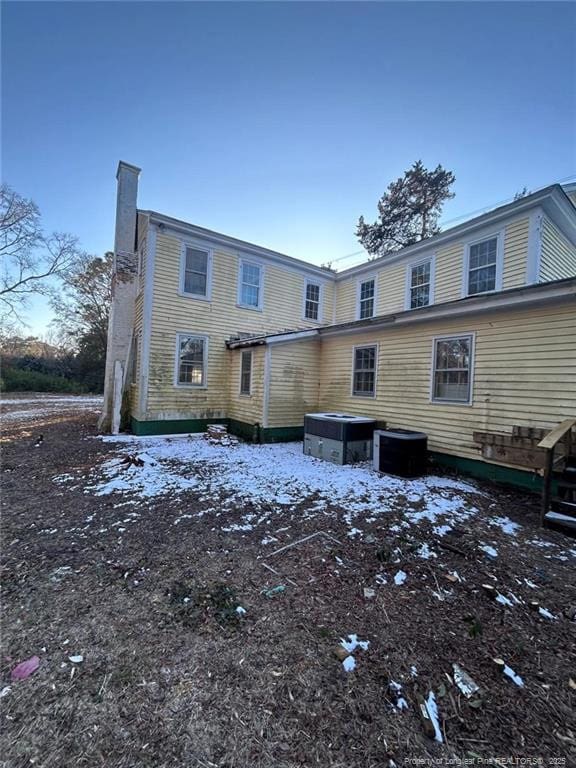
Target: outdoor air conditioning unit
[{"x": 338, "y": 437}]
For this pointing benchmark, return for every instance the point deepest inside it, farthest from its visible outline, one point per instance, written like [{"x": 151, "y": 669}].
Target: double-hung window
[
  {"x": 312, "y": 301},
  {"x": 452, "y": 369},
  {"x": 246, "y": 372},
  {"x": 420, "y": 285},
  {"x": 366, "y": 298},
  {"x": 364, "y": 371},
  {"x": 250, "y": 288},
  {"x": 195, "y": 272},
  {"x": 482, "y": 266},
  {"x": 191, "y": 357}
]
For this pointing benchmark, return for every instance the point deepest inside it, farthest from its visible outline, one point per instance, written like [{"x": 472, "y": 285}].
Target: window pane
[
  {"x": 196, "y": 272},
  {"x": 249, "y": 295},
  {"x": 195, "y": 283},
  {"x": 311, "y": 311},
  {"x": 421, "y": 274},
  {"x": 312, "y": 292},
  {"x": 196, "y": 260},
  {"x": 482, "y": 280},
  {"x": 483, "y": 254},
  {"x": 367, "y": 290},
  {"x": 251, "y": 274},
  {"x": 452, "y": 369},
  {"x": 245, "y": 373},
  {"x": 366, "y": 308},
  {"x": 191, "y": 360},
  {"x": 364, "y": 374},
  {"x": 419, "y": 296}
]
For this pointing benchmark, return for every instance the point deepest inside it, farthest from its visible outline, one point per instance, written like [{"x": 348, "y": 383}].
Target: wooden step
[
  {"x": 567, "y": 508},
  {"x": 559, "y": 522}
]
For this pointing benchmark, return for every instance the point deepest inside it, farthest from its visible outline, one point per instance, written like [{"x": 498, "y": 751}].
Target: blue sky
[{"x": 280, "y": 123}]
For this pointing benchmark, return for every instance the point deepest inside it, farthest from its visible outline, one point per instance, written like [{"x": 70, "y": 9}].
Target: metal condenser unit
[{"x": 338, "y": 437}]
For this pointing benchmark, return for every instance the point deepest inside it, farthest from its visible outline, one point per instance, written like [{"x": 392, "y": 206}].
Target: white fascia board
[{"x": 298, "y": 336}]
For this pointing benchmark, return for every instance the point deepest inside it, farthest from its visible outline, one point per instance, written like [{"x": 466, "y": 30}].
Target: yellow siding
[
  {"x": 524, "y": 373},
  {"x": 449, "y": 263},
  {"x": 515, "y": 253},
  {"x": 218, "y": 319},
  {"x": 141, "y": 241},
  {"x": 391, "y": 294},
  {"x": 558, "y": 258},
  {"x": 246, "y": 408},
  {"x": 345, "y": 300},
  {"x": 294, "y": 382},
  {"x": 448, "y": 278}
]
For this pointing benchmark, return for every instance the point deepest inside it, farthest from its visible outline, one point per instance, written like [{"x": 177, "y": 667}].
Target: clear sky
[{"x": 280, "y": 123}]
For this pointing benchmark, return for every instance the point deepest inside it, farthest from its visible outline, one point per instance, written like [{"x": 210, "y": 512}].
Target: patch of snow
[
  {"x": 352, "y": 643},
  {"x": 277, "y": 477},
  {"x": 240, "y": 611},
  {"x": 503, "y": 600},
  {"x": 442, "y": 530},
  {"x": 401, "y": 702},
  {"x": 547, "y": 615},
  {"x": 349, "y": 663},
  {"x": 489, "y": 550},
  {"x": 425, "y": 552},
  {"x": 505, "y": 524},
  {"x": 400, "y": 577},
  {"x": 413, "y": 671},
  {"x": 531, "y": 584}
]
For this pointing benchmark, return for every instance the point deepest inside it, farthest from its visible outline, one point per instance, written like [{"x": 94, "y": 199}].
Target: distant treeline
[{"x": 66, "y": 373}]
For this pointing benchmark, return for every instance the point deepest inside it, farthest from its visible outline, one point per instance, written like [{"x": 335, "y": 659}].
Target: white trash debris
[
  {"x": 432, "y": 709},
  {"x": 400, "y": 577},
  {"x": 76, "y": 659},
  {"x": 464, "y": 682}
]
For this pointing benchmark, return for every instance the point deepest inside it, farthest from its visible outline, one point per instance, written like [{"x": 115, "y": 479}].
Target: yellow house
[{"x": 467, "y": 333}]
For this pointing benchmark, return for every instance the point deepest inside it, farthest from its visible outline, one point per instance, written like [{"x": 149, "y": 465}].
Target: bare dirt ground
[{"x": 173, "y": 675}]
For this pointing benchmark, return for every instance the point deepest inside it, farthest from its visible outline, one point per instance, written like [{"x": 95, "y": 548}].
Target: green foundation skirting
[
  {"x": 172, "y": 426},
  {"x": 530, "y": 481},
  {"x": 255, "y": 433}
]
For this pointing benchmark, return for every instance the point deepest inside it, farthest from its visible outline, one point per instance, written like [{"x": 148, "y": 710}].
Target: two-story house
[{"x": 473, "y": 330}]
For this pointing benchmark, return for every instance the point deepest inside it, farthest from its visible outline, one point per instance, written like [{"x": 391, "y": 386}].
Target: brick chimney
[{"x": 124, "y": 287}]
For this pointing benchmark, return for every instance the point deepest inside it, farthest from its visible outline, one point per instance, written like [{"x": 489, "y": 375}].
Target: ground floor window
[
  {"x": 246, "y": 373},
  {"x": 364, "y": 371},
  {"x": 452, "y": 371},
  {"x": 191, "y": 360}
]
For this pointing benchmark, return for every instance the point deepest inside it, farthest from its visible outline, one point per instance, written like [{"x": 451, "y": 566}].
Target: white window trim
[
  {"x": 195, "y": 335},
  {"x": 309, "y": 281},
  {"x": 260, "y": 265},
  {"x": 365, "y": 346},
  {"x": 199, "y": 247},
  {"x": 465, "y": 334},
  {"x": 240, "y": 393},
  {"x": 499, "y": 235},
  {"x": 366, "y": 279},
  {"x": 409, "y": 267}
]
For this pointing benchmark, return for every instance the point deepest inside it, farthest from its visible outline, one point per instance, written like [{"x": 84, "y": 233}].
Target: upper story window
[
  {"x": 364, "y": 371},
  {"x": 420, "y": 285},
  {"x": 195, "y": 273},
  {"x": 250, "y": 285},
  {"x": 312, "y": 301},
  {"x": 191, "y": 360},
  {"x": 452, "y": 370},
  {"x": 366, "y": 298},
  {"x": 483, "y": 272},
  {"x": 246, "y": 372}
]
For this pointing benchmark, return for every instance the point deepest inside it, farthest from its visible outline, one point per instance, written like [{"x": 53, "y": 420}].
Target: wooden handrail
[{"x": 556, "y": 434}]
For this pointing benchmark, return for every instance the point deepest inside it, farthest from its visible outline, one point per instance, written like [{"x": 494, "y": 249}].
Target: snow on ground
[
  {"x": 46, "y": 405},
  {"x": 261, "y": 481}
]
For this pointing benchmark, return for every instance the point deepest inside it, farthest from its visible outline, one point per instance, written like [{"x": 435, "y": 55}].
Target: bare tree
[{"x": 28, "y": 257}]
